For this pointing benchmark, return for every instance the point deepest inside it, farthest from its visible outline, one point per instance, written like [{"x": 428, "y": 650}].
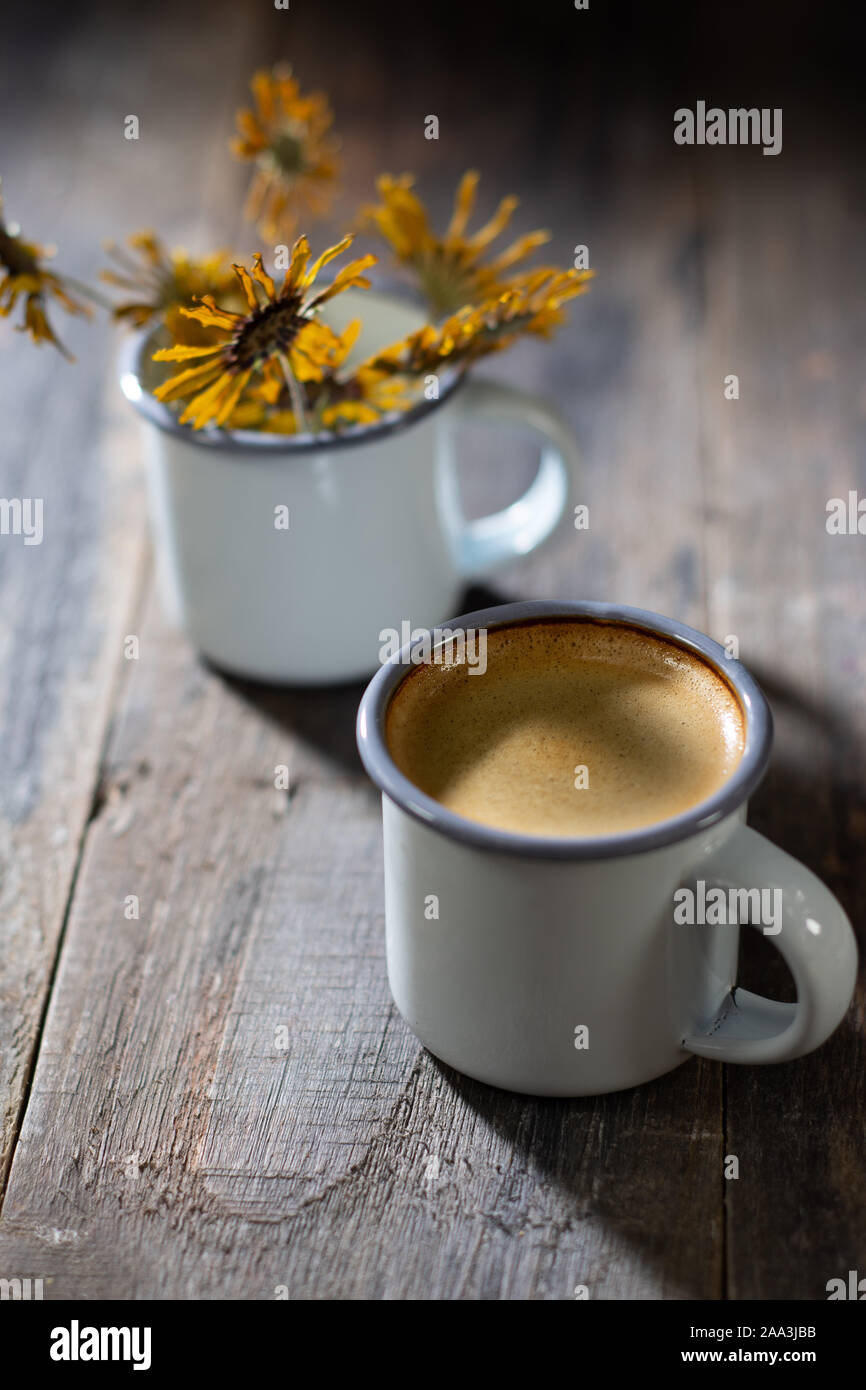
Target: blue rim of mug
[
  {"x": 728, "y": 799},
  {"x": 236, "y": 441}
]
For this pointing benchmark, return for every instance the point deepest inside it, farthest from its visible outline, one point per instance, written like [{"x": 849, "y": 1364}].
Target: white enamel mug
[
  {"x": 555, "y": 966},
  {"x": 376, "y": 535}
]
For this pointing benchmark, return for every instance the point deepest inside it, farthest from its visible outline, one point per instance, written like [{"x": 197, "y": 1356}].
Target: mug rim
[
  {"x": 243, "y": 441},
  {"x": 750, "y": 770}
]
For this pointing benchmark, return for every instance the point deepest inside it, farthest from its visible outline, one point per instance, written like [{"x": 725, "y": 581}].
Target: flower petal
[
  {"x": 247, "y": 286},
  {"x": 463, "y": 204},
  {"x": 189, "y": 380},
  {"x": 327, "y": 256}
]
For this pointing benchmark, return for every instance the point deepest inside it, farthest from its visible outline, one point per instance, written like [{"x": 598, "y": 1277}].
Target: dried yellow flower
[
  {"x": 450, "y": 269},
  {"x": 287, "y": 136},
  {"x": 281, "y": 332},
  {"x": 23, "y": 275}
]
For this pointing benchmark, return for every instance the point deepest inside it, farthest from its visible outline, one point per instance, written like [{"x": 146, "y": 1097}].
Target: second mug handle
[
  {"x": 816, "y": 941},
  {"x": 491, "y": 541}
]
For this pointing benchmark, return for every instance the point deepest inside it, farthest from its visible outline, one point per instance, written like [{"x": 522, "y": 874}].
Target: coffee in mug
[{"x": 574, "y": 728}]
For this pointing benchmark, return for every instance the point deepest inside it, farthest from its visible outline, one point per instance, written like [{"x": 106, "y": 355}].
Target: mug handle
[
  {"x": 491, "y": 541},
  {"x": 817, "y": 943}
]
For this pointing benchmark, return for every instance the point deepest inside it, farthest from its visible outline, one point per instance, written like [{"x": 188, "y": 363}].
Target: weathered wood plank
[
  {"x": 64, "y": 607},
  {"x": 794, "y": 596},
  {"x": 67, "y": 603}
]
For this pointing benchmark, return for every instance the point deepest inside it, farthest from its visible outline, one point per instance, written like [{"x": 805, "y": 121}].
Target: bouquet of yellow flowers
[{"x": 251, "y": 348}]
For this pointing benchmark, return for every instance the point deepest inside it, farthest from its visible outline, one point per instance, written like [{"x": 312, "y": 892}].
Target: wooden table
[{"x": 155, "y": 1142}]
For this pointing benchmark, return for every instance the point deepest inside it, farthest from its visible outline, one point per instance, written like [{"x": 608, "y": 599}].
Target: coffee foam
[{"x": 656, "y": 728}]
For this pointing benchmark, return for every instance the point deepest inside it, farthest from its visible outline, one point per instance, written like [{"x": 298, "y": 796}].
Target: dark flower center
[
  {"x": 287, "y": 151},
  {"x": 16, "y": 256},
  {"x": 269, "y": 331},
  {"x": 449, "y": 282}
]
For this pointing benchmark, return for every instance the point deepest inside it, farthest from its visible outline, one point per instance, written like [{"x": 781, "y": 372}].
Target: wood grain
[
  {"x": 793, "y": 595},
  {"x": 68, "y": 440},
  {"x": 64, "y": 610}
]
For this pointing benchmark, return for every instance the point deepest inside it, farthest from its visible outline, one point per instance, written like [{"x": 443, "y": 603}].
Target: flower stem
[
  {"x": 81, "y": 288},
  {"x": 295, "y": 393}
]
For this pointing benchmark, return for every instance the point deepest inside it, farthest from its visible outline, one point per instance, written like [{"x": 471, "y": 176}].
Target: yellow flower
[
  {"x": 361, "y": 397},
  {"x": 532, "y": 304},
  {"x": 287, "y": 136},
  {"x": 334, "y": 401},
  {"x": 280, "y": 332},
  {"x": 22, "y": 273},
  {"x": 159, "y": 281},
  {"x": 251, "y": 414},
  {"x": 265, "y": 404},
  {"x": 449, "y": 268}
]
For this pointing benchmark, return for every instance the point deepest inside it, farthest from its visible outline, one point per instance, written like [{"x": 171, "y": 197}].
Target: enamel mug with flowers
[{"x": 301, "y": 429}]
